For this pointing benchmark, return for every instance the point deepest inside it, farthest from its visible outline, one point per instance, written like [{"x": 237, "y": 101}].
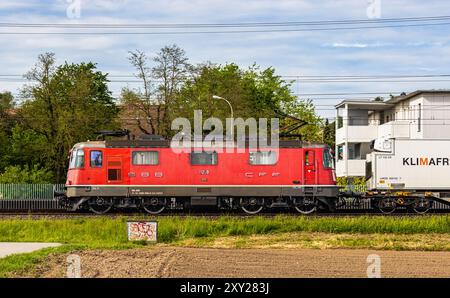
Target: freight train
[{"x": 148, "y": 174}]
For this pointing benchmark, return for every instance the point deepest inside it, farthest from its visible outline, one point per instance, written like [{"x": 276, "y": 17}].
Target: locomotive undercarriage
[
  {"x": 156, "y": 205},
  {"x": 385, "y": 202}
]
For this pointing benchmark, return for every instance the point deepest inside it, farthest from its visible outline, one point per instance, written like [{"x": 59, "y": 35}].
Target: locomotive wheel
[
  {"x": 422, "y": 205},
  {"x": 154, "y": 205},
  {"x": 305, "y": 205},
  {"x": 387, "y": 205},
  {"x": 100, "y": 205},
  {"x": 252, "y": 205}
]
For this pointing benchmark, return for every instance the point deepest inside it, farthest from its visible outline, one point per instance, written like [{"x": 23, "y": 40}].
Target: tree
[
  {"x": 252, "y": 93},
  {"x": 378, "y": 98},
  {"x": 329, "y": 133},
  {"x": 140, "y": 102},
  {"x": 7, "y": 122},
  {"x": 7, "y": 105},
  {"x": 68, "y": 104},
  {"x": 153, "y": 105},
  {"x": 304, "y": 109},
  {"x": 172, "y": 68}
]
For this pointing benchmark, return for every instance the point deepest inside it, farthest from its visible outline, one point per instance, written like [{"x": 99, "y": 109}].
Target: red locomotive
[{"x": 148, "y": 174}]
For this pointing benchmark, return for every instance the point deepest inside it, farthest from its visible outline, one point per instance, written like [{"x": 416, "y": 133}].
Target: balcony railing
[
  {"x": 356, "y": 134},
  {"x": 355, "y": 167}
]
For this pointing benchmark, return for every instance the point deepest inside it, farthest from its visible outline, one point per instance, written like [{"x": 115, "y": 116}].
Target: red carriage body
[{"x": 138, "y": 170}]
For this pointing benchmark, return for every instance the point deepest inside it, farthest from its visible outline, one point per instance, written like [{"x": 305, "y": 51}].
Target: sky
[{"x": 382, "y": 51}]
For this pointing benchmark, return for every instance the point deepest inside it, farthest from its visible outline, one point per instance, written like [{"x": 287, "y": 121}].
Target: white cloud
[{"x": 349, "y": 45}]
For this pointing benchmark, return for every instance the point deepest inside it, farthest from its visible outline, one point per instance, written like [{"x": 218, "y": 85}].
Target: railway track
[{"x": 143, "y": 215}]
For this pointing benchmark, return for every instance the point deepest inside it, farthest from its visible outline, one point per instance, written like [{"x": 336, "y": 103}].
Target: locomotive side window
[
  {"x": 96, "y": 159},
  {"x": 77, "y": 159},
  {"x": 114, "y": 175},
  {"x": 145, "y": 157},
  {"x": 262, "y": 158},
  {"x": 204, "y": 158}
]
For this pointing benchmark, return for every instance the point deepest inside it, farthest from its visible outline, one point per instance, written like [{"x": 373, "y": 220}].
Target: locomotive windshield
[{"x": 77, "y": 159}]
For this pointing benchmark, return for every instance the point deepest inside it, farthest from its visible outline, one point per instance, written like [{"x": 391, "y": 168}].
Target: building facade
[{"x": 423, "y": 114}]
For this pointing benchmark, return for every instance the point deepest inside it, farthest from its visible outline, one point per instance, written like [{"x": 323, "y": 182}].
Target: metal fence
[
  {"x": 29, "y": 197},
  {"x": 41, "y": 197},
  {"x": 29, "y": 191}
]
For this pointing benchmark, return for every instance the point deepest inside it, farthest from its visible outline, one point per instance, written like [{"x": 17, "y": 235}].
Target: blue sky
[{"x": 387, "y": 51}]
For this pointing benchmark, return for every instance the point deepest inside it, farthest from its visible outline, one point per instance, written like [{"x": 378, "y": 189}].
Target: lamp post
[{"x": 232, "y": 114}]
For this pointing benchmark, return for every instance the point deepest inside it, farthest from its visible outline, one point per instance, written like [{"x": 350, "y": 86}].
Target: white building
[{"x": 423, "y": 114}]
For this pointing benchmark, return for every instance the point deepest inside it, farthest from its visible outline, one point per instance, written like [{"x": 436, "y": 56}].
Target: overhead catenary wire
[
  {"x": 267, "y": 27},
  {"x": 236, "y": 24},
  {"x": 222, "y": 31}
]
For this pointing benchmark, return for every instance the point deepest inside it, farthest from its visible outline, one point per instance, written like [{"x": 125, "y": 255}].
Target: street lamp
[{"x": 232, "y": 115}]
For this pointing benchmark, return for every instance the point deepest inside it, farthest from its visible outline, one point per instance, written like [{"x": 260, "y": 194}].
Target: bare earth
[{"x": 214, "y": 262}]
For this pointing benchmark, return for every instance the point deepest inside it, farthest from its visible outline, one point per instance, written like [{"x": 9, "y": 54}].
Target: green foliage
[
  {"x": 7, "y": 121},
  {"x": 356, "y": 184},
  {"x": 329, "y": 133},
  {"x": 17, "y": 174},
  {"x": 343, "y": 181},
  {"x": 305, "y": 110},
  {"x": 67, "y": 105},
  {"x": 253, "y": 93}
]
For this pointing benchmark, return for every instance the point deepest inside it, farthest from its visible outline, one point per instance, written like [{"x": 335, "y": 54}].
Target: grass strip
[{"x": 112, "y": 231}]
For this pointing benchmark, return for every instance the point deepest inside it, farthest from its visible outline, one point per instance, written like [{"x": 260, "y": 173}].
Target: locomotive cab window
[
  {"x": 77, "y": 159},
  {"x": 204, "y": 158},
  {"x": 96, "y": 159},
  {"x": 145, "y": 157},
  {"x": 309, "y": 158},
  {"x": 262, "y": 158},
  {"x": 328, "y": 161}
]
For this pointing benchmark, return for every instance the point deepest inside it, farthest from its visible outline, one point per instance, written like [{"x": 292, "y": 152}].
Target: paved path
[{"x": 9, "y": 248}]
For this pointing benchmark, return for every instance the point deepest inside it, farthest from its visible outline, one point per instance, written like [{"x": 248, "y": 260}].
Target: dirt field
[{"x": 213, "y": 262}]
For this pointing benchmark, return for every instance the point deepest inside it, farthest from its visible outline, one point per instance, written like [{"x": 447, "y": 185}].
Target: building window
[
  {"x": 262, "y": 158},
  {"x": 340, "y": 152},
  {"x": 204, "y": 158},
  {"x": 145, "y": 158},
  {"x": 77, "y": 159},
  {"x": 357, "y": 152},
  {"x": 96, "y": 159}
]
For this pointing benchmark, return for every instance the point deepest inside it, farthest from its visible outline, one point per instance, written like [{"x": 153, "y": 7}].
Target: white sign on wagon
[{"x": 142, "y": 231}]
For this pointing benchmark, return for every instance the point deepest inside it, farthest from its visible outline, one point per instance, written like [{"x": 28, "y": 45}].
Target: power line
[
  {"x": 220, "y": 25},
  {"x": 227, "y": 31}
]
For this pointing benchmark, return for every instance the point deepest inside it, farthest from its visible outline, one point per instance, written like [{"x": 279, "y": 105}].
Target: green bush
[{"x": 26, "y": 175}]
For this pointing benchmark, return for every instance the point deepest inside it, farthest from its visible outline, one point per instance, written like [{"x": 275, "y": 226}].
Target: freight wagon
[{"x": 404, "y": 171}]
